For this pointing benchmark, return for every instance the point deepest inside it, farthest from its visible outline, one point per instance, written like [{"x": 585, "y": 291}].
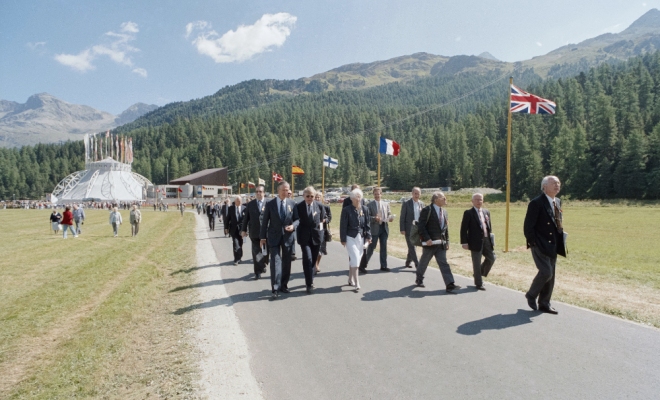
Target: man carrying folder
[{"x": 476, "y": 236}]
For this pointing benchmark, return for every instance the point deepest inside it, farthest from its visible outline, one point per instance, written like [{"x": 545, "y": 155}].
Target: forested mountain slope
[{"x": 603, "y": 142}]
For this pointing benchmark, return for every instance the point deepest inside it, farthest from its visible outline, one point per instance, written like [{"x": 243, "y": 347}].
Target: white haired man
[
  {"x": 78, "y": 218},
  {"x": 410, "y": 211},
  {"x": 476, "y": 236},
  {"x": 544, "y": 232}
]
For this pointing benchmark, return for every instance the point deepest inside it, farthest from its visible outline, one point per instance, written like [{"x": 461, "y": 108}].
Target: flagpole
[
  {"x": 379, "y": 136},
  {"x": 323, "y": 181},
  {"x": 508, "y": 171},
  {"x": 293, "y": 180},
  {"x": 272, "y": 184}
]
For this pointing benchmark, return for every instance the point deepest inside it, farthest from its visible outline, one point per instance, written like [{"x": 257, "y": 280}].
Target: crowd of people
[{"x": 275, "y": 225}]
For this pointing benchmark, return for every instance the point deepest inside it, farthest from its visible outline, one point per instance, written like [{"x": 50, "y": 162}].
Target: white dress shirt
[{"x": 416, "y": 209}]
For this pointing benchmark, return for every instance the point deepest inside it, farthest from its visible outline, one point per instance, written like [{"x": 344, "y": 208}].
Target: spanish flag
[{"x": 297, "y": 171}]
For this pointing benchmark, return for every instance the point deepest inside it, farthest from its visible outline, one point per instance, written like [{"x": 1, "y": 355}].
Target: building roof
[{"x": 211, "y": 176}]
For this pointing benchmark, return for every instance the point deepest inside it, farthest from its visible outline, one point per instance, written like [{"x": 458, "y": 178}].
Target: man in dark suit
[
  {"x": 433, "y": 227},
  {"x": 211, "y": 213},
  {"x": 252, "y": 223},
  {"x": 236, "y": 214},
  {"x": 225, "y": 216},
  {"x": 410, "y": 211},
  {"x": 379, "y": 217},
  {"x": 545, "y": 236},
  {"x": 475, "y": 236},
  {"x": 310, "y": 233},
  {"x": 279, "y": 221}
]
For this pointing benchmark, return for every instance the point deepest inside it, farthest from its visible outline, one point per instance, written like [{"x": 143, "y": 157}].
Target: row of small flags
[{"x": 117, "y": 147}]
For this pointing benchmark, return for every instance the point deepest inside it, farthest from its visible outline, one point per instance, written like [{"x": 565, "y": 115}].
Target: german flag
[{"x": 297, "y": 170}]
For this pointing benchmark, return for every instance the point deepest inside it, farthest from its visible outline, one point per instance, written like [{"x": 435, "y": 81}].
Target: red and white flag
[{"x": 277, "y": 178}]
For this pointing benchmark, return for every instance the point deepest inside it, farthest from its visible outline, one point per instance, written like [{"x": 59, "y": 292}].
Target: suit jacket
[
  {"x": 373, "y": 212},
  {"x": 431, "y": 229},
  {"x": 253, "y": 218},
  {"x": 353, "y": 221},
  {"x": 308, "y": 229},
  {"x": 472, "y": 230},
  {"x": 235, "y": 222},
  {"x": 408, "y": 215},
  {"x": 272, "y": 227},
  {"x": 210, "y": 211},
  {"x": 224, "y": 210},
  {"x": 540, "y": 227}
]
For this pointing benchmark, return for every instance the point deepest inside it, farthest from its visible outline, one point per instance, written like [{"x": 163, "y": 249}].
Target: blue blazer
[
  {"x": 308, "y": 231},
  {"x": 354, "y": 221},
  {"x": 272, "y": 227}
]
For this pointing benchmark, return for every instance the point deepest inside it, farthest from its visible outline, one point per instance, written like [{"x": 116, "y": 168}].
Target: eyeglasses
[{"x": 309, "y": 196}]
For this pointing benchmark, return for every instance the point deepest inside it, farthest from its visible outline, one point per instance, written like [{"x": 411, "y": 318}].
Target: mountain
[
  {"x": 46, "y": 119},
  {"x": 488, "y": 56}
]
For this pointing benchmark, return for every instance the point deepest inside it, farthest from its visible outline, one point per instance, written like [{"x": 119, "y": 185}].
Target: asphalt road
[{"x": 395, "y": 341}]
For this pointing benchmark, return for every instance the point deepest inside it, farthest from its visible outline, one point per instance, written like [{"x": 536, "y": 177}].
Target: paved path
[{"x": 394, "y": 341}]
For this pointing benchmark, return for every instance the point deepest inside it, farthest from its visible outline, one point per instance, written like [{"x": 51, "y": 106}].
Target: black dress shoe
[
  {"x": 294, "y": 258},
  {"x": 275, "y": 294},
  {"x": 481, "y": 287},
  {"x": 235, "y": 262},
  {"x": 385, "y": 269},
  {"x": 548, "y": 310},
  {"x": 419, "y": 284},
  {"x": 531, "y": 302},
  {"x": 310, "y": 290},
  {"x": 263, "y": 271},
  {"x": 452, "y": 286},
  {"x": 362, "y": 270},
  {"x": 408, "y": 266},
  {"x": 257, "y": 276},
  {"x": 285, "y": 291}
]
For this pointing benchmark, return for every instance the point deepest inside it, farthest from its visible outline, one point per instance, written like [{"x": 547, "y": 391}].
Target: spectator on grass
[
  {"x": 78, "y": 218},
  {"x": 55, "y": 219},
  {"x": 135, "y": 219},
  {"x": 115, "y": 220},
  {"x": 67, "y": 222}
]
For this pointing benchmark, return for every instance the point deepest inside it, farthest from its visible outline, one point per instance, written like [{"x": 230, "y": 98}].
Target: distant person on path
[
  {"x": 55, "y": 219},
  {"x": 235, "y": 226},
  {"x": 476, "y": 237},
  {"x": 154, "y": 206},
  {"x": 183, "y": 208},
  {"x": 310, "y": 233},
  {"x": 323, "y": 250},
  {"x": 115, "y": 220},
  {"x": 544, "y": 232},
  {"x": 78, "y": 218},
  {"x": 67, "y": 222},
  {"x": 433, "y": 227},
  {"x": 379, "y": 217},
  {"x": 410, "y": 211},
  {"x": 225, "y": 216},
  {"x": 210, "y": 213},
  {"x": 135, "y": 217},
  {"x": 280, "y": 219},
  {"x": 252, "y": 225},
  {"x": 354, "y": 231}
]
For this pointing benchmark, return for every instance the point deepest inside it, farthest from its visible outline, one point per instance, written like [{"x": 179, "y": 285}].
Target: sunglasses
[{"x": 309, "y": 197}]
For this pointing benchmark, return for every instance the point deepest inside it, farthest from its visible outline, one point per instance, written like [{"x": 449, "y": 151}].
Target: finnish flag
[
  {"x": 330, "y": 162},
  {"x": 388, "y": 147}
]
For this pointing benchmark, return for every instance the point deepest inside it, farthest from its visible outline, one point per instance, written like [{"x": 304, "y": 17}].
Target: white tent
[{"x": 105, "y": 180}]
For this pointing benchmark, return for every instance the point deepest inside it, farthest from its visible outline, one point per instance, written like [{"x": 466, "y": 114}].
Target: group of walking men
[{"x": 271, "y": 226}]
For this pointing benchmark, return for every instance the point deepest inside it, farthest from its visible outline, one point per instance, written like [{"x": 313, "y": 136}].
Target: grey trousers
[
  {"x": 375, "y": 239},
  {"x": 440, "y": 254},
  {"x": 544, "y": 281},
  {"x": 78, "y": 225},
  {"x": 135, "y": 228},
  {"x": 258, "y": 258},
  {"x": 115, "y": 228},
  {"x": 480, "y": 269},
  {"x": 412, "y": 254}
]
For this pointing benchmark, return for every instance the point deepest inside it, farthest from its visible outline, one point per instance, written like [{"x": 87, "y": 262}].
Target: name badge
[
  {"x": 314, "y": 214},
  {"x": 289, "y": 208}
]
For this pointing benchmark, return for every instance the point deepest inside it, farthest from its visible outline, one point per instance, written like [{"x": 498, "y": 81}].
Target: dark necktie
[
  {"x": 557, "y": 219},
  {"x": 282, "y": 212}
]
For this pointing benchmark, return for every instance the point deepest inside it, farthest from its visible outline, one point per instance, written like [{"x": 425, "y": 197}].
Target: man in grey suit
[
  {"x": 280, "y": 219},
  {"x": 410, "y": 211},
  {"x": 379, "y": 217},
  {"x": 544, "y": 232},
  {"x": 476, "y": 237},
  {"x": 252, "y": 223}
]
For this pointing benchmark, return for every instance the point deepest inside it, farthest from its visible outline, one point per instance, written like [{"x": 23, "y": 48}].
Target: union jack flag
[{"x": 523, "y": 102}]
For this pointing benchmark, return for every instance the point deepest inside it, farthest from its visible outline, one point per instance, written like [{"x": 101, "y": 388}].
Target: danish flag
[
  {"x": 526, "y": 103},
  {"x": 277, "y": 178}
]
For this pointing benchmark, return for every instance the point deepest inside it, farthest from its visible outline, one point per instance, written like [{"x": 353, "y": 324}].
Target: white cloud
[
  {"x": 117, "y": 49},
  {"x": 199, "y": 25},
  {"x": 36, "y": 45},
  {"x": 81, "y": 62},
  {"x": 539, "y": 44},
  {"x": 271, "y": 30},
  {"x": 141, "y": 71}
]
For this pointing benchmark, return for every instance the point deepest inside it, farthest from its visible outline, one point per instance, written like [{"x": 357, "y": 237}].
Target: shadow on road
[
  {"x": 189, "y": 270},
  {"x": 499, "y": 321},
  {"x": 408, "y": 292}
]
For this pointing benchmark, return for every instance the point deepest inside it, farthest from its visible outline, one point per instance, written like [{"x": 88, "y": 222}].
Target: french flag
[{"x": 388, "y": 147}]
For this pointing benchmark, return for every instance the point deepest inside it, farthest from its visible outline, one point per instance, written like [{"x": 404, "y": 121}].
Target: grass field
[
  {"x": 92, "y": 316},
  {"x": 613, "y": 265}
]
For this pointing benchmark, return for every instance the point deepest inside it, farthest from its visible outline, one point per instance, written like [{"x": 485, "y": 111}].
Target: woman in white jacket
[{"x": 115, "y": 220}]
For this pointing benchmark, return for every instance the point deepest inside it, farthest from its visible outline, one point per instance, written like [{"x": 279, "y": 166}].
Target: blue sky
[{"x": 112, "y": 54}]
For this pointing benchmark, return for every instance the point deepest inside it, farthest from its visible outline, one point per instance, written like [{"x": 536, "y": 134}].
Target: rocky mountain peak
[{"x": 649, "y": 22}]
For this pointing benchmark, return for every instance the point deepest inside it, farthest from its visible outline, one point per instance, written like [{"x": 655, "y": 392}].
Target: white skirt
[
  {"x": 355, "y": 248},
  {"x": 56, "y": 226}
]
